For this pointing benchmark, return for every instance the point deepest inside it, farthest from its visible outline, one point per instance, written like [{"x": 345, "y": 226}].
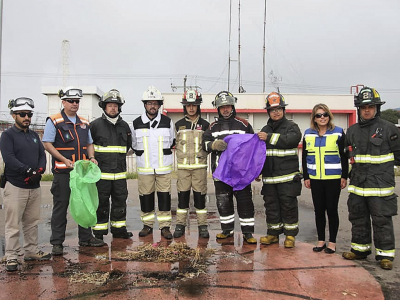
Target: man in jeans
[
  {"x": 21, "y": 192},
  {"x": 67, "y": 138}
]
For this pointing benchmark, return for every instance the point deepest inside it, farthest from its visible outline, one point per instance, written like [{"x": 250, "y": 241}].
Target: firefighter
[
  {"x": 153, "y": 136},
  {"x": 374, "y": 146},
  {"x": 112, "y": 139},
  {"x": 228, "y": 123},
  {"x": 192, "y": 164},
  {"x": 280, "y": 175}
]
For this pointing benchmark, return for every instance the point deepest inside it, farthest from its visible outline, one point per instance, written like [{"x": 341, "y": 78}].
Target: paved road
[{"x": 389, "y": 280}]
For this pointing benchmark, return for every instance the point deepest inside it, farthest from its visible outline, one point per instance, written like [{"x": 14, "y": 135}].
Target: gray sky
[{"x": 314, "y": 46}]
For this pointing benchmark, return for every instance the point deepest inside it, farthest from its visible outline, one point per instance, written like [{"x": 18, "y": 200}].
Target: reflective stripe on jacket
[{"x": 323, "y": 157}]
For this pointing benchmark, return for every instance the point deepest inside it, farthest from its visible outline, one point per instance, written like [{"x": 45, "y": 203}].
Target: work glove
[
  {"x": 33, "y": 176},
  {"x": 219, "y": 145}
]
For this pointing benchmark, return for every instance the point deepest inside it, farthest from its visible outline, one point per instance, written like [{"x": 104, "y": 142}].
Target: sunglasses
[
  {"x": 24, "y": 114},
  {"x": 325, "y": 115},
  {"x": 72, "y": 101}
]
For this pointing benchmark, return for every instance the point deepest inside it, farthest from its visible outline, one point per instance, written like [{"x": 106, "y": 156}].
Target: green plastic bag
[{"x": 84, "y": 200}]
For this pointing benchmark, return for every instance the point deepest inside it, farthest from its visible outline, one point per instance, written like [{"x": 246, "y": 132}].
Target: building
[{"x": 251, "y": 107}]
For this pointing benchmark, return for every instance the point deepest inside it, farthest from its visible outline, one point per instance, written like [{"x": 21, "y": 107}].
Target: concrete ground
[{"x": 312, "y": 275}]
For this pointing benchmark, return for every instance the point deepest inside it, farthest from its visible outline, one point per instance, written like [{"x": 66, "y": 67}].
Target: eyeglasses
[
  {"x": 24, "y": 114},
  {"x": 72, "y": 101},
  {"x": 152, "y": 103},
  {"x": 276, "y": 110},
  {"x": 325, "y": 115}
]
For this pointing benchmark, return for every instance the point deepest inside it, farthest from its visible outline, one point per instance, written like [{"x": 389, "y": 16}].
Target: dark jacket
[
  {"x": 20, "y": 151},
  {"x": 376, "y": 150},
  {"x": 282, "y": 161},
  {"x": 220, "y": 129},
  {"x": 111, "y": 143}
]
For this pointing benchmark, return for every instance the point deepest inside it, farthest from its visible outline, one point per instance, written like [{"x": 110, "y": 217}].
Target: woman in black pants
[{"x": 325, "y": 170}]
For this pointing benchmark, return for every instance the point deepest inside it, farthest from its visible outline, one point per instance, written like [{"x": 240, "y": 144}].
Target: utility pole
[
  {"x": 184, "y": 86},
  {"x": 65, "y": 60},
  {"x": 229, "y": 42},
  {"x": 265, "y": 22},
  {"x": 1, "y": 41}
]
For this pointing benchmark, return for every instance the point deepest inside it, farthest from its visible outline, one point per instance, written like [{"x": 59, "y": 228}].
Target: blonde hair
[{"x": 325, "y": 108}]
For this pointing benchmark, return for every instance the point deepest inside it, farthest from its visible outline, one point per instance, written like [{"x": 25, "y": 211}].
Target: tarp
[
  {"x": 84, "y": 200},
  {"x": 242, "y": 161}
]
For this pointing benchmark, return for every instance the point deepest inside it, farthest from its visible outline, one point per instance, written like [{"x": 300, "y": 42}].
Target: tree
[{"x": 390, "y": 115}]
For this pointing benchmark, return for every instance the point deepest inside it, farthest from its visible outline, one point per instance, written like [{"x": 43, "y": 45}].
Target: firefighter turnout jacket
[
  {"x": 189, "y": 152},
  {"x": 71, "y": 140},
  {"x": 152, "y": 141}
]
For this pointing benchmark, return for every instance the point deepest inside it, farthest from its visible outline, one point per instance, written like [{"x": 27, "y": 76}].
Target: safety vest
[
  {"x": 71, "y": 140},
  {"x": 189, "y": 152},
  {"x": 323, "y": 158},
  {"x": 152, "y": 142}
]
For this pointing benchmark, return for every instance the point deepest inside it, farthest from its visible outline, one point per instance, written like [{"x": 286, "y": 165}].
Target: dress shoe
[
  {"x": 329, "y": 251},
  {"x": 319, "y": 249}
]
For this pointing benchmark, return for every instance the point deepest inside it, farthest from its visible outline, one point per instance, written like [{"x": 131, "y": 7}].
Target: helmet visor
[{"x": 23, "y": 101}]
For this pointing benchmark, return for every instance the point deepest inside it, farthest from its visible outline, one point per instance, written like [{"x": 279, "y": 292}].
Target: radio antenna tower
[{"x": 65, "y": 59}]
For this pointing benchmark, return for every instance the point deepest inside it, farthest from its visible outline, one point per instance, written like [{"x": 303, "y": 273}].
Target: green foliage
[
  {"x": 47, "y": 177},
  {"x": 390, "y": 115}
]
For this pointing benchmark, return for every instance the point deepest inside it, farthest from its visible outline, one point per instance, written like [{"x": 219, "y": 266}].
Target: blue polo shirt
[{"x": 20, "y": 151}]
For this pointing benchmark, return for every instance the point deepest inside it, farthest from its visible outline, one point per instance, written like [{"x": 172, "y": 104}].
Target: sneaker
[
  {"x": 203, "y": 232},
  {"x": 248, "y": 238},
  {"x": 40, "y": 255},
  {"x": 166, "y": 233},
  {"x": 123, "y": 235},
  {"x": 269, "y": 239},
  {"x": 352, "y": 256},
  {"x": 179, "y": 230},
  {"x": 145, "y": 231},
  {"x": 12, "y": 265},
  {"x": 92, "y": 242},
  {"x": 225, "y": 234},
  {"x": 57, "y": 249},
  {"x": 386, "y": 264},
  {"x": 289, "y": 241}
]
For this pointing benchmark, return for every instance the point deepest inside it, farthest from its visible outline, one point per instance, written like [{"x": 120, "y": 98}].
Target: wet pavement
[{"x": 233, "y": 270}]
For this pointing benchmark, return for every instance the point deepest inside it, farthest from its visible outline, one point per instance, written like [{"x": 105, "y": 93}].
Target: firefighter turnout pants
[
  {"x": 117, "y": 192},
  {"x": 380, "y": 210},
  {"x": 281, "y": 207},
  {"x": 224, "y": 194}
]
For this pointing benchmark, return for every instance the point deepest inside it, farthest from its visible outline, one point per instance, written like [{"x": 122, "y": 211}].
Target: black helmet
[
  {"x": 192, "y": 97},
  {"x": 367, "y": 96},
  {"x": 112, "y": 96},
  {"x": 224, "y": 98},
  {"x": 275, "y": 100}
]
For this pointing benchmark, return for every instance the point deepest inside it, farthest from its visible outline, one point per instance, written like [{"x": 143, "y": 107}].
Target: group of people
[{"x": 372, "y": 146}]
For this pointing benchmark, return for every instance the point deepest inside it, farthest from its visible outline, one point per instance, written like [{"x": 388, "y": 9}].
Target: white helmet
[
  {"x": 70, "y": 93},
  {"x": 19, "y": 104},
  {"x": 152, "y": 94}
]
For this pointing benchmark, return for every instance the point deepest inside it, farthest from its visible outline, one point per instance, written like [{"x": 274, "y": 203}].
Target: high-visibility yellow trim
[
  {"x": 102, "y": 226},
  {"x": 201, "y": 211},
  {"x": 281, "y": 152},
  {"x": 110, "y": 149},
  {"x": 181, "y": 211},
  {"x": 164, "y": 218},
  {"x": 195, "y": 166},
  {"x": 118, "y": 224},
  {"x": 361, "y": 247},
  {"x": 275, "y": 226},
  {"x": 373, "y": 159},
  {"x": 149, "y": 170},
  {"x": 274, "y": 138},
  {"x": 291, "y": 226},
  {"x": 160, "y": 151},
  {"x": 388, "y": 253},
  {"x": 279, "y": 179},
  {"x": 113, "y": 176},
  {"x": 148, "y": 217},
  {"x": 371, "y": 192}
]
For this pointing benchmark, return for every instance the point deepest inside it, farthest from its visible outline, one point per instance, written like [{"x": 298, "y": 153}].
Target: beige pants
[
  {"x": 148, "y": 184},
  {"x": 21, "y": 206},
  {"x": 195, "y": 179}
]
